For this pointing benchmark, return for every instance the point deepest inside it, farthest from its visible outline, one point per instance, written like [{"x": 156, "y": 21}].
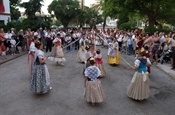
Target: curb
[
  {"x": 169, "y": 74},
  {"x": 13, "y": 58}
]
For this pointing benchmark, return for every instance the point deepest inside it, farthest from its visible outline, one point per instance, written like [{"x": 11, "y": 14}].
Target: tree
[
  {"x": 15, "y": 13},
  {"x": 90, "y": 16},
  {"x": 65, "y": 10},
  {"x": 155, "y": 10},
  {"x": 108, "y": 8},
  {"x": 31, "y": 7}
]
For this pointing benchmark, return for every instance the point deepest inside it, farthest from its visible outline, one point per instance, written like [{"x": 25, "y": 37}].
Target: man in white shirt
[
  {"x": 8, "y": 37},
  {"x": 62, "y": 36},
  {"x": 68, "y": 40},
  {"x": 75, "y": 37},
  {"x": 13, "y": 45}
]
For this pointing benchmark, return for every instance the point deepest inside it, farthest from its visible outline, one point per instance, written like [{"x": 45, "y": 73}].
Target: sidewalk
[
  {"x": 11, "y": 57},
  {"x": 166, "y": 67}
]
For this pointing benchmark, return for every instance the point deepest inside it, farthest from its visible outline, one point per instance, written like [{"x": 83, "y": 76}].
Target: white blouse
[{"x": 137, "y": 62}]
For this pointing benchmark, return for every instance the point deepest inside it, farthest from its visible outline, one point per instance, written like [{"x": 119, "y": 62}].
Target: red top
[
  {"x": 147, "y": 54},
  {"x": 98, "y": 59},
  {"x": 3, "y": 48}
]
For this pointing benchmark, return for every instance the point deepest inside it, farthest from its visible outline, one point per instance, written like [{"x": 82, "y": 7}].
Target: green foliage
[
  {"x": 31, "y": 7},
  {"x": 25, "y": 24},
  {"x": 15, "y": 13},
  {"x": 127, "y": 26},
  {"x": 91, "y": 14},
  {"x": 152, "y": 29},
  {"x": 152, "y": 10},
  {"x": 65, "y": 10}
]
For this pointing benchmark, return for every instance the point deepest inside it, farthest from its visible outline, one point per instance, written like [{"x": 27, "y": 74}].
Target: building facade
[{"x": 4, "y": 11}]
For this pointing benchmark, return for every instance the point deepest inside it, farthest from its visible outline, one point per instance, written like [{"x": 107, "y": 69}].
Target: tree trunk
[
  {"x": 151, "y": 27},
  {"x": 65, "y": 24},
  {"x": 104, "y": 22},
  {"x": 151, "y": 21}
]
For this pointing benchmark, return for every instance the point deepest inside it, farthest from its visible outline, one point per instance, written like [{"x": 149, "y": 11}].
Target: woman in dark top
[{"x": 155, "y": 48}]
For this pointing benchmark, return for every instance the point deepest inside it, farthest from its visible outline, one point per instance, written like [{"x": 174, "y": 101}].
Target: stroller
[{"x": 164, "y": 55}]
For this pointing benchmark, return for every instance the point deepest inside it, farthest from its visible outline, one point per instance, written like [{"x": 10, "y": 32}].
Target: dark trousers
[
  {"x": 129, "y": 50},
  {"x": 76, "y": 44},
  {"x": 68, "y": 48},
  {"x": 120, "y": 45},
  {"x": 49, "y": 46}
]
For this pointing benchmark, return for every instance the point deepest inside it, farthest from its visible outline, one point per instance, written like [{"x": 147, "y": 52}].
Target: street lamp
[
  {"x": 40, "y": 16},
  {"x": 37, "y": 14}
]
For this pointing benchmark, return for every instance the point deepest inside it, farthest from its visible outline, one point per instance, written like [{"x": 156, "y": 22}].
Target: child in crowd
[
  {"x": 3, "y": 51},
  {"x": 13, "y": 45}
]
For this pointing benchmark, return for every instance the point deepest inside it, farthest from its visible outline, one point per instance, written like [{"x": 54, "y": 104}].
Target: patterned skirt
[
  {"x": 139, "y": 86},
  {"x": 94, "y": 92},
  {"x": 40, "y": 81}
]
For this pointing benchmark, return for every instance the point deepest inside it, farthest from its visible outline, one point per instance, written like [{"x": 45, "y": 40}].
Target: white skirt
[{"x": 3, "y": 53}]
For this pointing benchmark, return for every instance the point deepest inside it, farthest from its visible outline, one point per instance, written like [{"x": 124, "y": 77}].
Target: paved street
[{"x": 66, "y": 97}]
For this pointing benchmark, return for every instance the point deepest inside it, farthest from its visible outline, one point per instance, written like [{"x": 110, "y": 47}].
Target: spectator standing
[
  {"x": 68, "y": 40},
  {"x": 129, "y": 45},
  {"x": 49, "y": 38},
  {"x": 3, "y": 50},
  {"x": 2, "y": 35},
  {"x": 13, "y": 45}
]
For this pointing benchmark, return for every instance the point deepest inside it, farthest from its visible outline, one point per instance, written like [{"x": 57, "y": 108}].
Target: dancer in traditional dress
[
  {"x": 40, "y": 81},
  {"x": 31, "y": 54},
  {"x": 82, "y": 51},
  {"x": 99, "y": 62},
  {"x": 93, "y": 88},
  {"x": 139, "y": 86},
  {"x": 88, "y": 53},
  {"x": 114, "y": 53},
  {"x": 57, "y": 54}
]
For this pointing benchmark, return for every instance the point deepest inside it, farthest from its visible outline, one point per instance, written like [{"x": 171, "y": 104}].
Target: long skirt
[
  {"x": 81, "y": 56},
  {"x": 139, "y": 86},
  {"x": 115, "y": 59},
  {"x": 102, "y": 69},
  {"x": 94, "y": 92},
  {"x": 40, "y": 81},
  {"x": 57, "y": 55}
]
